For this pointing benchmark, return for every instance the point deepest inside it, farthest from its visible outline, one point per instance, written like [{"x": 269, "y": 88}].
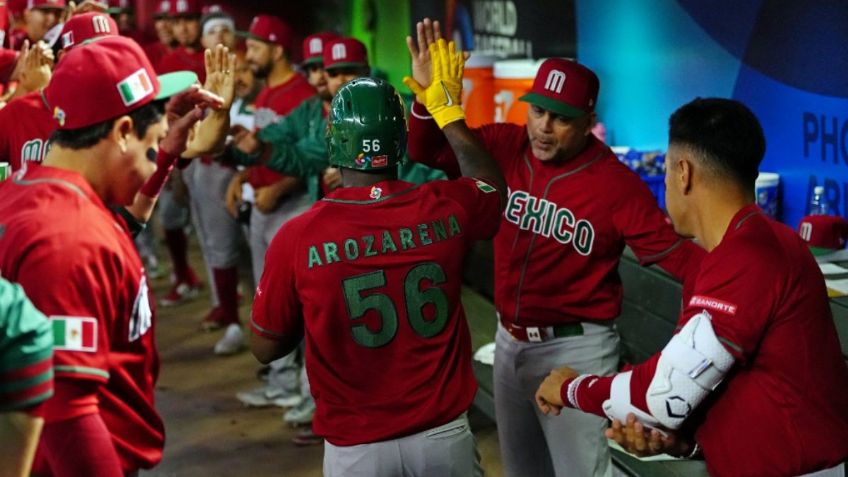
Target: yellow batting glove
[{"x": 443, "y": 98}]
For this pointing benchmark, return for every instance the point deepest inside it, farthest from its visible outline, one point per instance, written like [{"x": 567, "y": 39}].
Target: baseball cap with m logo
[{"x": 564, "y": 87}]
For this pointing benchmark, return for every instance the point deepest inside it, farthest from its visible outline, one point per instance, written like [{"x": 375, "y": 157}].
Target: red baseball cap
[
  {"x": 184, "y": 8},
  {"x": 345, "y": 53},
  {"x": 46, "y": 4},
  {"x": 824, "y": 231},
  {"x": 163, "y": 9},
  {"x": 84, "y": 27},
  {"x": 564, "y": 87},
  {"x": 16, "y": 7},
  {"x": 106, "y": 79},
  {"x": 269, "y": 29},
  {"x": 313, "y": 47},
  {"x": 118, "y": 6}
]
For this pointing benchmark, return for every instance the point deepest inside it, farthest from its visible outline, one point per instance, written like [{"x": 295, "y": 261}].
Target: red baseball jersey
[
  {"x": 783, "y": 409},
  {"x": 155, "y": 51},
  {"x": 271, "y": 104},
  {"x": 8, "y": 59},
  {"x": 374, "y": 275},
  {"x": 564, "y": 227},
  {"x": 77, "y": 263},
  {"x": 27, "y": 124},
  {"x": 183, "y": 59}
]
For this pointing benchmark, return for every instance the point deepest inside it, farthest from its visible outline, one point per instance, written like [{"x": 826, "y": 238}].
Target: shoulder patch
[
  {"x": 484, "y": 186},
  {"x": 74, "y": 333},
  {"x": 713, "y": 304}
]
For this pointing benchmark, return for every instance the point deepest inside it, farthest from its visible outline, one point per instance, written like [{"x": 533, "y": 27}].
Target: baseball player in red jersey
[
  {"x": 757, "y": 333},
  {"x": 572, "y": 209},
  {"x": 184, "y": 16},
  {"x": 27, "y": 122},
  {"x": 380, "y": 288},
  {"x": 156, "y": 50},
  {"x": 278, "y": 198},
  {"x": 185, "y": 26},
  {"x": 101, "y": 420},
  {"x": 26, "y": 374},
  {"x": 207, "y": 179}
]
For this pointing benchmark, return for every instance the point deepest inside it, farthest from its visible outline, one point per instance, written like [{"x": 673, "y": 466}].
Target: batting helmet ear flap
[{"x": 367, "y": 126}]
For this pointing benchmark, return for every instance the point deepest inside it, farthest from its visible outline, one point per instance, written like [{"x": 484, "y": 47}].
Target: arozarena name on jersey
[
  {"x": 387, "y": 241},
  {"x": 546, "y": 218}
]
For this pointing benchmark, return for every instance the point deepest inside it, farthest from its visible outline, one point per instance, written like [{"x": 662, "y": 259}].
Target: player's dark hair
[
  {"x": 724, "y": 133},
  {"x": 88, "y": 136}
]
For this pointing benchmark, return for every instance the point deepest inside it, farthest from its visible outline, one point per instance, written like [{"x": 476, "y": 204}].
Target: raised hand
[
  {"x": 36, "y": 70},
  {"x": 221, "y": 74},
  {"x": 443, "y": 96},
  {"x": 427, "y": 33}
]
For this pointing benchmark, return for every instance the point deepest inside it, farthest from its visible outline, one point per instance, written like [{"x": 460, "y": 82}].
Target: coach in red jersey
[
  {"x": 572, "y": 208},
  {"x": 372, "y": 275},
  {"x": 75, "y": 258},
  {"x": 754, "y": 376}
]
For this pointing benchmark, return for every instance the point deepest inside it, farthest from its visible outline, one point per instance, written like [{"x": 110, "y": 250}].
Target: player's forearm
[
  {"x": 302, "y": 159},
  {"x": 427, "y": 144},
  {"x": 267, "y": 349},
  {"x": 577, "y": 393},
  {"x": 474, "y": 160}
]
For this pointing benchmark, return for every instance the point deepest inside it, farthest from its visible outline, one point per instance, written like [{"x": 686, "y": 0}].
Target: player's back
[{"x": 378, "y": 273}]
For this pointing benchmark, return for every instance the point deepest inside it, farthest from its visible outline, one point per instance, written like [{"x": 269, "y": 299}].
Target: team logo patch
[
  {"x": 485, "y": 187},
  {"x": 59, "y": 116},
  {"x": 135, "y": 87},
  {"x": 376, "y": 193},
  {"x": 713, "y": 304},
  {"x": 74, "y": 333}
]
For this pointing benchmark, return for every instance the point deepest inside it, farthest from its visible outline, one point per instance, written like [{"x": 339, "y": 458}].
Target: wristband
[{"x": 164, "y": 165}]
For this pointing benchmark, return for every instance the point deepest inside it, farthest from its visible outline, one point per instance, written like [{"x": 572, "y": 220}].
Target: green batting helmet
[{"x": 367, "y": 129}]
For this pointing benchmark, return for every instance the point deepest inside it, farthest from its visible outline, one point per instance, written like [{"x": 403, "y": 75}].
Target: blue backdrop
[{"x": 786, "y": 60}]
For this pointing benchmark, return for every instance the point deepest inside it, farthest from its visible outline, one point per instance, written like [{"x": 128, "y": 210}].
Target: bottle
[{"x": 818, "y": 204}]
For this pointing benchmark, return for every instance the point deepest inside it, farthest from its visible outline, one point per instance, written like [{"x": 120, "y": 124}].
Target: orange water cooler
[
  {"x": 478, "y": 90},
  {"x": 513, "y": 78}
]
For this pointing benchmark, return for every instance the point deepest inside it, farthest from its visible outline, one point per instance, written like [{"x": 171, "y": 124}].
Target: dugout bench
[{"x": 648, "y": 318}]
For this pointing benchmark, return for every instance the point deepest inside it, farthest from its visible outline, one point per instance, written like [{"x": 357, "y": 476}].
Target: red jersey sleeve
[
  {"x": 736, "y": 289},
  {"x": 277, "y": 311},
  {"x": 77, "y": 310},
  {"x": 481, "y": 203},
  {"x": 649, "y": 233},
  {"x": 7, "y": 63}
]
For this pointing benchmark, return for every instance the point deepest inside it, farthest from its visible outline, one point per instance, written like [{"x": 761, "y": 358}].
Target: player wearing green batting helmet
[{"x": 367, "y": 126}]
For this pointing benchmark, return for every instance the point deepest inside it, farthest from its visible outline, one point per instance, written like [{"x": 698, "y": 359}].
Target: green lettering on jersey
[
  {"x": 549, "y": 219},
  {"x": 406, "y": 239},
  {"x": 584, "y": 237},
  {"x": 388, "y": 243},
  {"x": 331, "y": 252},
  {"x": 423, "y": 235},
  {"x": 513, "y": 206},
  {"x": 533, "y": 212},
  {"x": 314, "y": 257},
  {"x": 439, "y": 230},
  {"x": 351, "y": 249},
  {"x": 563, "y": 217},
  {"x": 454, "y": 226},
  {"x": 369, "y": 242}
]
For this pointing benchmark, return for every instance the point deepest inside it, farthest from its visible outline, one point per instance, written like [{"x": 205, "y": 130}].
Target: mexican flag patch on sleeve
[
  {"x": 74, "y": 333},
  {"x": 484, "y": 186}
]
